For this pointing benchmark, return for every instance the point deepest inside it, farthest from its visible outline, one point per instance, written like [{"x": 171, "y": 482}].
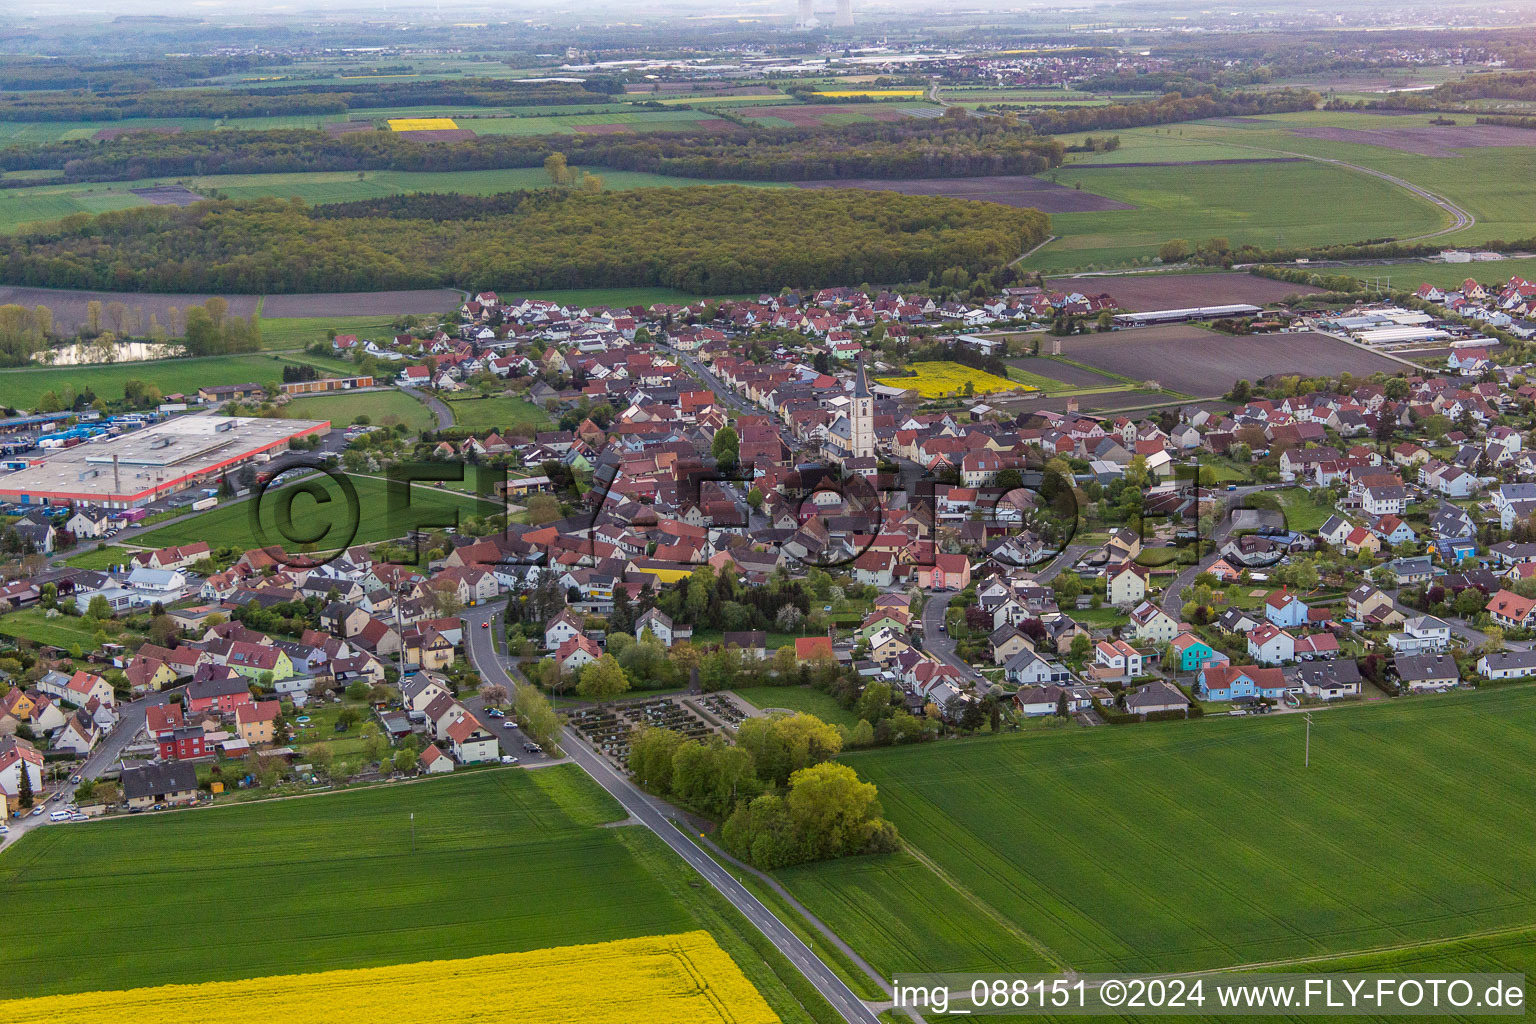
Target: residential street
[
  {"x": 130, "y": 723},
  {"x": 655, "y": 815}
]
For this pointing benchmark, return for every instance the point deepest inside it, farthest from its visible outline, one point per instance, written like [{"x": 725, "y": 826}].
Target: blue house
[
  {"x": 1456, "y": 550},
  {"x": 1192, "y": 654},
  {"x": 1285, "y": 609},
  {"x": 1238, "y": 682}
]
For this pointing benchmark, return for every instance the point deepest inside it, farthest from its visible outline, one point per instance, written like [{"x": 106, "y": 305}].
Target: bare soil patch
[
  {"x": 440, "y": 135},
  {"x": 152, "y": 129},
  {"x": 1009, "y": 190},
  {"x": 1142, "y": 292},
  {"x": 168, "y": 195},
  {"x": 348, "y": 127},
  {"x": 1440, "y": 140},
  {"x": 1201, "y": 362},
  {"x": 423, "y": 300},
  {"x": 70, "y": 307}
]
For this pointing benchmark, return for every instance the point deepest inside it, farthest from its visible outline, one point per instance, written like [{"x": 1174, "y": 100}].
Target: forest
[
  {"x": 1169, "y": 108},
  {"x": 915, "y": 148},
  {"x": 290, "y": 100},
  {"x": 703, "y": 239}
]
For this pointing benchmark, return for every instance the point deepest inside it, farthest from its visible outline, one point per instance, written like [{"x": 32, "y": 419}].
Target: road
[
  {"x": 438, "y": 406},
  {"x": 732, "y": 400},
  {"x": 480, "y": 645},
  {"x": 656, "y": 816},
  {"x": 130, "y": 723},
  {"x": 1173, "y": 595},
  {"x": 936, "y": 640}
]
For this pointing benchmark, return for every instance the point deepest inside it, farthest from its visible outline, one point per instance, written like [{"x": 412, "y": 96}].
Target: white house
[
  {"x": 1421, "y": 634},
  {"x": 1153, "y": 624},
  {"x": 1507, "y": 665},
  {"x": 1271, "y": 645}
]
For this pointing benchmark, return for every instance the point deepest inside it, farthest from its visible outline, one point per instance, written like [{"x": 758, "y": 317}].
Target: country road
[{"x": 655, "y": 815}]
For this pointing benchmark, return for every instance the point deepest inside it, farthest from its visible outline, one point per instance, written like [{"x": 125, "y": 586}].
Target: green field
[
  {"x": 90, "y": 557},
  {"x": 377, "y": 518},
  {"x": 1408, "y": 276},
  {"x": 63, "y": 631},
  {"x": 287, "y": 333},
  {"x": 1207, "y": 844},
  {"x": 1265, "y": 204},
  {"x": 337, "y": 881},
  {"x": 381, "y": 407},
  {"x": 1496, "y": 185},
  {"x": 799, "y": 698},
  {"x": 21, "y": 388},
  {"x": 498, "y": 412}
]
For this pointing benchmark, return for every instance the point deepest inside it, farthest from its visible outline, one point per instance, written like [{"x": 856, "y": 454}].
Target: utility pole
[
  {"x": 1306, "y": 761},
  {"x": 413, "y": 833}
]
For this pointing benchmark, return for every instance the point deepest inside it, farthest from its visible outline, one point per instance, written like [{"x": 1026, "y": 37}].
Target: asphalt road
[
  {"x": 655, "y": 815},
  {"x": 130, "y": 723},
  {"x": 937, "y": 641}
]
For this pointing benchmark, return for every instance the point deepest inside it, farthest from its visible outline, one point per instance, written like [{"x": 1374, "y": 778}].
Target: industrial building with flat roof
[
  {"x": 133, "y": 469},
  {"x": 1153, "y": 317}
]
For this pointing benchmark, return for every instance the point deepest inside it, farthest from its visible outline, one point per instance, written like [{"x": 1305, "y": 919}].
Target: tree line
[
  {"x": 274, "y": 101},
  {"x": 707, "y": 240},
  {"x": 1169, "y": 108},
  {"x": 914, "y": 148},
  {"x": 783, "y": 800}
]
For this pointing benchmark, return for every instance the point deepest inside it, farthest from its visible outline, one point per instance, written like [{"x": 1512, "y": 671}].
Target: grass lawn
[
  {"x": 1408, "y": 276},
  {"x": 59, "y": 631},
  {"x": 381, "y": 407},
  {"x": 1300, "y": 511},
  {"x": 89, "y": 557},
  {"x": 799, "y": 698},
  {"x": 378, "y": 517},
  {"x": 22, "y": 387},
  {"x": 498, "y": 412},
  {"x": 298, "y": 331},
  {"x": 1197, "y": 846}
]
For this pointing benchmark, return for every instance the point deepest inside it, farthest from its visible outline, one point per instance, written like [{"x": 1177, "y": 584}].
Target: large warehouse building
[{"x": 136, "y": 468}]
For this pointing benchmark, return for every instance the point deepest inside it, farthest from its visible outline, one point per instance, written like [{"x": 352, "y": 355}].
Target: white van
[{"x": 59, "y": 816}]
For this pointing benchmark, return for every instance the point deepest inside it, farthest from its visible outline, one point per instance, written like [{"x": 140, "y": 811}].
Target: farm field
[
  {"x": 355, "y": 853},
  {"x": 70, "y": 306},
  {"x": 378, "y": 518},
  {"x": 291, "y": 333},
  {"x": 1496, "y": 183},
  {"x": 377, "y": 306},
  {"x": 386, "y": 407},
  {"x": 1141, "y": 292},
  {"x": 21, "y": 388},
  {"x": 946, "y": 379},
  {"x": 1408, "y": 276},
  {"x": 1059, "y": 376},
  {"x": 1215, "y": 863},
  {"x": 1199, "y": 362},
  {"x": 1013, "y": 190},
  {"x": 499, "y": 412},
  {"x": 665, "y": 977},
  {"x": 798, "y": 698},
  {"x": 1302, "y": 202}
]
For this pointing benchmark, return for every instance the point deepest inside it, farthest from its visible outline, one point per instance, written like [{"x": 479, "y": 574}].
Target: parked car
[
  {"x": 508, "y": 759},
  {"x": 533, "y": 748},
  {"x": 496, "y": 712},
  {"x": 36, "y": 811},
  {"x": 4, "y": 828}
]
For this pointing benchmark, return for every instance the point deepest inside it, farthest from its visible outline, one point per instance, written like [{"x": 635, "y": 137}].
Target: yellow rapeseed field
[
  {"x": 421, "y": 124},
  {"x": 845, "y": 93},
  {"x": 945, "y": 380},
  {"x": 656, "y": 980}
]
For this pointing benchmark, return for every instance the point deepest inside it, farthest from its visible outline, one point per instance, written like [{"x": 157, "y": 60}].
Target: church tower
[{"x": 861, "y": 424}]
